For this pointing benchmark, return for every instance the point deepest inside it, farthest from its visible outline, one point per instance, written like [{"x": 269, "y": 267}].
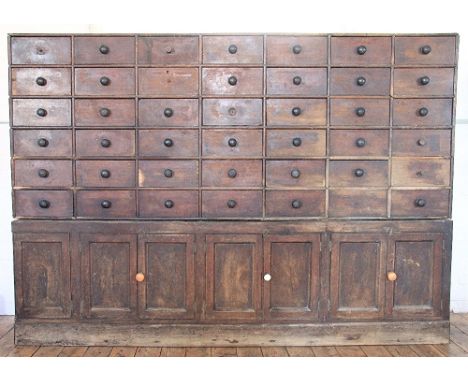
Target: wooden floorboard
[
  {"x": 300, "y": 351},
  {"x": 451, "y": 350},
  {"x": 375, "y": 351},
  {"x": 48, "y": 351},
  {"x": 224, "y": 352},
  {"x": 98, "y": 351},
  {"x": 123, "y": 351},
  {"x": 7, "y": 344},
  {"x": 198, "y": 352},
  {"x": 459, "y": 337},
  {"x": 253, "y": 351},
  {"x": 148, "y": 352},
  {"x": 73, "y": 351},
  {"x": 274, "y": 351},
  {"x": 6, "y": 323},
  {"x": 325, "y": 351},
  {"x": 426, "y": 351},
  {"x": 350, "y": 351},
  {"x": 172, "y": 352},
  {"x": 401, "y": 351},
  {"x": 23, "y": 351}
]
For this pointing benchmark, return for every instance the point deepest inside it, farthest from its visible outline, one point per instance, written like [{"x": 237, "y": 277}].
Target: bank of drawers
[{"x": 232, "y": 126}]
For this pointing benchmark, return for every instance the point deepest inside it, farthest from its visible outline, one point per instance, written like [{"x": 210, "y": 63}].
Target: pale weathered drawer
[
  {"x": 163, "y": 51},
  {"x": 41, "y": 112},
  {"x": 168, "y": 143},
  {"x": 361, "y": 51},
  {"x": 361, "y": 203},
  {"x": 43, "y": 173},
  {"x": 310, "y": 203},
  {"x": 231, "y": 204},
  {"x": 106, "y": 50},
  {"x": 232, "y": 173},
  {"x": 423, "y": 82},
  {"x": 105, "y": 204},
  {"x": 233, "y": 49},
  {"x": 295, "y": 173},
  {"x": 105, "y": 81},
  {"x": 168, "y": 204},
  {"x": 296, "y": 143},
  {"x": 105, "y": 173},
  {"x": 232, "y": 81},
  {"x": 420, "y": 203},
  {"x": 41, "y": 50},
  {"x": 168, "y": 112},
  {"x": 360, "y": 81},
  {"x": 168, "y": 173},
  {"x": 231, "y": 111},
  {"x": 160, "y": 82},
  {"x": 232, "y": 143},
  {"x": 306, "y": 82},
  {"x": 422, "y": 112},
  {"x": 358, "y": 173},
  {"x": 360, "y": 112},
  {"x": 43, "y": 204},
  {"x": 104, "y": 112},
  {"x": 105, "y": 143},
  {"x": 420, "y": 172},
  {"x": 297, "y": 50},
  {"x": 359, "y": 142},
  {"x": 42, "y": 143},
  {"x": 40, "y": 81},
  {"x": 421, "y": 142},
  {"x": 296, "y": 112},
  {"x": 425, "y": 50}
]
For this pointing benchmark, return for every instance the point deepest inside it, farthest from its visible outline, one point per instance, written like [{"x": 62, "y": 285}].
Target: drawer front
[
  {"x": 105, "y": 112},
  {"x": 420, "y": 203},
  {"x": 232, "y": 143},
  {"x": 361, "y": 51},
  {"x": 105, "y": 81},
  {"x": 40, "y": 81},
  {"x": 414, "y": 172},
  {"x": 114, "y": 50},
  {"x": 105, "y": 143},
  {"x": 295, "y": 203},
  {"x": 43, "y": 173},
  {"x": 295, "y": 112},
  {"x": 359, "y": 142},
  {"x": 232, "y": 173},
  {"x": 168, "y": 143},
  {"x": 167, "y": 204},
  {"x": 344, "y": 173},
  {"x": 232, "y": 81},
  {"x": 422, "y": 112},
  {"x": 168, "y": 50},
  {"x": 168, "y": 112},
  {"x": 360, "y": 112},
  {"x": 357, "y": 203},
  {"x": 356, "y": 81},
  {"x": 41, "y": 112},
  {"x": 233, "y": 49},
  {"x": 421, "y": 143},
  {"x": 232, "y": 204},
  {"x": 106, "y": 204},
  {"x": 425, "y": 50},
  {"x": 297, "y": 50},
  {"x": 40, "y": 50},
  {"x": 228, "y": 111},
  {"x": 168, "y": 82},
  {"x": 295, "y": 173},
  {"x": 168, "y": 173},
  {"x": 421, "y": 82},
  {"x": 42, "y": 143},
  {"x": 105, "y": 173},
  {"x": 296, "y": 143},
  {"x": 307, "y": 82},
  {"x": 43, "y": 204}
]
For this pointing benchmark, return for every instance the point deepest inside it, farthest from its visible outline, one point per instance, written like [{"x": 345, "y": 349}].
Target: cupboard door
[
  {"x": 108, "y": 269},
  {"x": 168, "y": 290},
  {"x": 293, "y": 262},
  {"x": 233, "y": 276},
  {"x": 357, "y": 276},
  {"x": 42, "y": 275}
]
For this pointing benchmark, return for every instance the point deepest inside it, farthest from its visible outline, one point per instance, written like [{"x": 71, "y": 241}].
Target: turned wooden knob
[
  {"x": 140, "y": 277},
  {"x": 391, "y": 276}
]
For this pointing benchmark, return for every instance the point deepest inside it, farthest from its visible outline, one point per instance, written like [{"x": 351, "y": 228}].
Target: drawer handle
[
  {"x": 420, "y": 202},
  {"x": 359, "y": 172},
  {"x": 232, "y": 111},
  {"x": 297, "y": 80},
  {"x": 105, "y": 81},
  {"x": 170, "y": 50},
  {"x": 104, "y": 49},
  {"x": 360, "y": 81},
  {"x": 232, "y": 80},
  {"x": 360, "y": 112},
  {"x": 232, "y": 49},
  {"x": 423, "y": 111},
  {"x": 105, "y": 174},
  {"x": 104, "y": 112},
  {"x": 168, "y": 203},
  {"x": 426, "y": 49},
  {"x": 44, "y": 203},
  {"x": 295, "y": 173},
  {"x": 168, "y": 142},
  {"x": 43, "y": 173},
  {"x": 41, "y": 112},
  {"x": 360, "y": 142},
  {"x": 267, "y": 277},
  {"x": 296, "y": 111},
  {"x": 421, "y": 142},
  {"x": 232, "y": 142},
  {"x": 232, "y": 173},
  {"x": 42, "y": 142},
  {"x": 391, "y": 276},
  {"x": 296, "y": 142},
  {"x": 40, "y": 50},
  {"x": 168, "y": 112},
  {"x": 140, "y": 277},
  {"x": 168, "y": 173},
  {"x": 296, "y": 204},
  {"x": 424, "y": 80},
  {"x": 41, "y": 81},
  {"x": 361, "y": 50},
  {"x": 106, "y": 204},
  {"x": 231, "y": 203},
  {"x": 105, "y": 142},
  {"x": 297, "y": 49}
]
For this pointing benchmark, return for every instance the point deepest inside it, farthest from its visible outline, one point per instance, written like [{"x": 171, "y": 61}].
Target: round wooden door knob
[
  {"x": 140, "y": 277},
  {"x": 391, "y": 276}
]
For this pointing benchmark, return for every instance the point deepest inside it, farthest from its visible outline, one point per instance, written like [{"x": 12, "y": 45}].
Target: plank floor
[{"x": 458, "y": 347}]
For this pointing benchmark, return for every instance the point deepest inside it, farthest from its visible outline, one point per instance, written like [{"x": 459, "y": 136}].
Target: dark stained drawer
[
  {"x": 41, "y": 112},
  {"x": 360, "y": 81},
  {"x": 168, "y": 143},
  {"x": 421, "y": 142},
  {"x": 294, "y": 112},
  {"x": 425, "y": 50},
  {"x": 105, "y": 204},
  {"x": 297, "y": 50},
  {"x": 168, "y": 82},
  {"x": 105, "y": 50},
  {"x": 361, "y": 51},
  {"x": 105, "y": 173},
  {"x": 229, "y": 111},
  {"x": 354, "y": 173},
  {"x": 295, "y": 173},
  {"x": 232, "y": 173},
  {"x": 167, "y": 204},
  {"x": 105, "y": 81},
  {"x": 232, "y": 81},
  {"x": 105, "y": 143},
  {"x": 43, "y": 204},
  {"x": 422, "y": 112},
  {"x": 233, "y": 49},
  {"x": 420, "y": 203},
  {"x": 296, "y": 143},
  {"x": 42, "y": 143},
  {"x": 168, "y": 112},
  {"x": 41, "y": 50},
  {"x": 307, "y": 82},
  {"x": 168, "y": 50},
  {"x": 40, "y": 81},
  {"x": 295, "y": 203},
  {"x": 104, "y": 112},
  {"x": 43, "y": 173},
  {"x": 232, "y": 204},
  {"x": 232, "y": 143},
  {"x": 168, "y": 173},
  {"x": 359, "y": 142},
  {"x": 420, "y": 172},
  {"x": 360, "y": 112},
  {"x": 357, "y": 203},
  {"x": 420, "y": 82}
]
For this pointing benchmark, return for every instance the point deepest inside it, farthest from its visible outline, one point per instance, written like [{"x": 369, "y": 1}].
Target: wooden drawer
[
  {"x": 295, "y": 173},
  {"x": 422, "y": 82},
  {"x": 113, "y": 50},
  {"x": 307, "y": 82},
  {"x": 168, "y": 143},
  {"x": 43, "y": 173},
  {"x": 233, "y": 50},
  {"x": 232, "y": 173},
  {"x": 296, "y": 143},
  {"x": 105, "y": 204},
  {"x": 105, "y": 143},
  {"x": 230, "y": 111},
  {"x": 346, "y": 173},
  {"x": 232, "y": 143},
  {"x": 104, "y": 112},
  {"x": 297, "y": 50},
  {"x": 422, "y": 112},
  {"x": 420, "y": 203},
  {"x": 105, "y": 81},
  {"x": 161, "y": 82},
  {"x": 361, "y": 51},
  {"x": 360, "y": 112},
  {"x": 40, "y": 50},
  {"x": 42, "y": 143},
  {"x": 421, "y": 143},
  {"x": 420, "y": 172},
  {"x": 362, "y": 82},
  {"x": 232, "y": 204},
  {"x": 162, "y": 51},
  {"x": 359, "y": 142},
  {"x": 357, "y": 203},
  {"x": 425, "y": 50},
  {"x": 43, "y": 204},
  {"x": 41, "y": 112},
  {"x": 232, "y": 81},
  {"x": 168, "y": 112},
  {"x": 168, "y": 173},
  {"x": 295, "y": 203},
  {"x": 167, "y": 204},
  {"x": 295, "y": 112},
  {"x": 105, "y": 173},
  {"x": 40, "y": 81}
]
